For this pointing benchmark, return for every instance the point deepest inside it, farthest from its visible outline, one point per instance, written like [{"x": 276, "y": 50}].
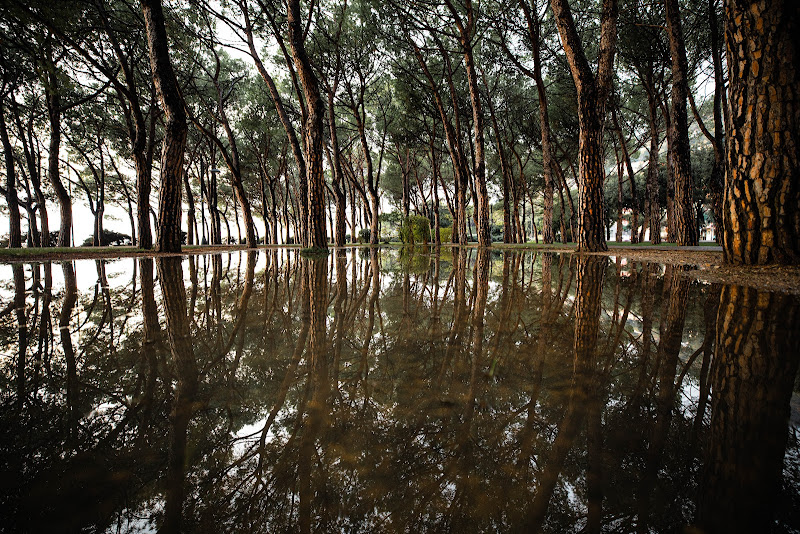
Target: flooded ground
[{"x": 390, "y": 391}]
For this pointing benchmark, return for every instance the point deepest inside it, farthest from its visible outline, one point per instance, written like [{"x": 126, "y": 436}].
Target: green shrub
[
  {"x": 446, "y": 234},
  {"x": 110, "y": 237},
  {"x": 415, "y": 229},
  {"x": 364, "y": 235}
]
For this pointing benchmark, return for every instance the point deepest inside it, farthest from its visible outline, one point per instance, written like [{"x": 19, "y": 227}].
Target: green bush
[
  {"x": 415, "y": 229},
  {"x": 110, "y": 237},
  {"x": 446, "y": 234},
  {"x": 364, "y": 235}
]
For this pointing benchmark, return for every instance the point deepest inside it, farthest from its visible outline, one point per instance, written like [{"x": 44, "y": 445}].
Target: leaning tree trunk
[
  {"x": 679, "y": 148},
  {"x": 168, "y": 233},
  {"x": 762, "y": 187}
]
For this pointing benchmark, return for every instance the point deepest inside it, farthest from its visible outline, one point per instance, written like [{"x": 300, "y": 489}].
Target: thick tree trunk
[
  {"x": 592, "y": 95},
  {"x": 685, "y": 227},
  {"x": 762, "y": 186},
  {"x": 313, "y": 135},
  {"x": 755, "y": 363},
  {"x": 168, "y": 234},
  {"x": 592, "y": 176}
]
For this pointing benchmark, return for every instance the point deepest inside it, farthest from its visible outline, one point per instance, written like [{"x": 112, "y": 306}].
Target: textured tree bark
[
  {"x": 592, "y": 95},
  {"x": 14, "y": 223},
  {"x": 679, "y": 148},
  {"x": 762, "y": 186},
  {"x": 315, "y": 292},
  {"x": 313, "y": 138},
  {"x": 168, "y": 233},
  {"x": 653, "y": 205},
  {"x": 755, "y": 364}
]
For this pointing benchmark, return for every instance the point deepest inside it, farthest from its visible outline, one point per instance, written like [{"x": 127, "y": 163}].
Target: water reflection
[{"x": 393, "y": 391}]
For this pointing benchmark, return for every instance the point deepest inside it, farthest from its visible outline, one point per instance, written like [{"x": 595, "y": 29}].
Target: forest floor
[{"x": 704, "y": 263}]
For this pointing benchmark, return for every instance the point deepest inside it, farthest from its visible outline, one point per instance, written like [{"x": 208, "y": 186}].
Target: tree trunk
[
  {"x": 191, "y": 224},
  {"x": 592, "y": 176},
  {"x": 653, "y": 206},
  {"x": 482, "y": 195},
  {"x": 15, "y": 225},
  {"x": 592, "y": 95},
  {"x": 313, "y": 134},
  {"x": 686, "y": 231},
  {"x": 168, "y": 234},
  {"x": 534, "y": 32},
  {"x": 338, "y": 176},
  {"x": 762, "y": 189},
  {"x": 626, "y": 160},
  {"x": 54, "y": 116},
  {"x": 755, "y": 363},
  {"x": 185, "y": 370}
]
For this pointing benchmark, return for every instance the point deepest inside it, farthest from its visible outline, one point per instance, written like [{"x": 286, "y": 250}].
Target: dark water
[{"x": 389, "y": 392}]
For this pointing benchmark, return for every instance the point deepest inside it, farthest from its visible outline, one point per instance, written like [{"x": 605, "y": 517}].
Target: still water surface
[{"x": 389, "y": 391}]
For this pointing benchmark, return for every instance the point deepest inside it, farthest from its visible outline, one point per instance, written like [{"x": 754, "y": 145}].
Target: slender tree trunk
[
  {"x": 64, "y": 201},
  {"x": 338, "y": 175},
  {"x": 762, "y": 187},
  {"x": 679, "y": 154},
  {"x": 626, "y": 160},
  {"x": 294, "y": 143},
  {"x": 482, "y": 195},
  {"x": 653, "y": 206},
  {"x": 191, "y": 223},
  {"x": 534, "y": 31},
  {"x": 15, "y": 225},
  {"x": 168, "y": 234}
]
